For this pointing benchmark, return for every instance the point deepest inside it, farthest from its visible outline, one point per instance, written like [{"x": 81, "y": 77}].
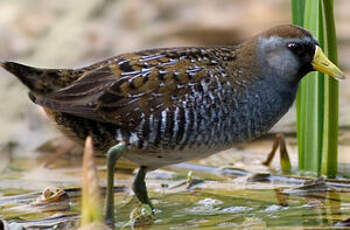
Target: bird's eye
[{"x": 296, "y": 48}]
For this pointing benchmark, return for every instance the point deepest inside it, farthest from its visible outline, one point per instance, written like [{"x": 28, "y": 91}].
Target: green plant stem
[
  {"x": 313, "y": 21},
  {"x": 317, "y": 99},
  {"x": 330, "y": 123},
  {"x": 298, "y": 7}
]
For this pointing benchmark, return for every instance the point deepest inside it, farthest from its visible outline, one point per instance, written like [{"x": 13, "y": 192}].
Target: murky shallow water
[{"x": 216, "y": 202}]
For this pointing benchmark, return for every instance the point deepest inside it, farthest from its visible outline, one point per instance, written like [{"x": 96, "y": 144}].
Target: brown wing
[{"x": 134, "y": 85}]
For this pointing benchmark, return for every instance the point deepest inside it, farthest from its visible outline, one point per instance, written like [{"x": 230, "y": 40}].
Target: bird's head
[{"x": 290, "y": 52}]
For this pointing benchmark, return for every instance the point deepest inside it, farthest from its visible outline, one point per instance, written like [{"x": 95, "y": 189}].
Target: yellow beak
[{"x": 324, "y": 65}]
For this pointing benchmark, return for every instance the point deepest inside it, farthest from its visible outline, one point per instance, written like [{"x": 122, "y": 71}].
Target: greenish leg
[
  {"x": 139, "y": 187},
  {"x": 113, "y": 155}
]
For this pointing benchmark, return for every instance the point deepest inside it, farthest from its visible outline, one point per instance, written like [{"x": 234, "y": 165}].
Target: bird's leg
[
  {"x": 113, "y": 155},
  {"x": 271, "y": 155},
  {"x": 139, "y": 187},
  {"x": 286, "y": 166},
  {"x": 284, "y": 158}
]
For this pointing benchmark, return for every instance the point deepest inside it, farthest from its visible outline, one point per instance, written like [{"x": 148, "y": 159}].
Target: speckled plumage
[{"x": 169, "y": 105}]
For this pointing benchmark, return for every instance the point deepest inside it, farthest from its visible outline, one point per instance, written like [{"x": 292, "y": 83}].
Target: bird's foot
[{"x": 140, "y": 216}]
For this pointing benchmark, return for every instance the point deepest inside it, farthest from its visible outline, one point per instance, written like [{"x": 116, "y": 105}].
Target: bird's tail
[{"x": 41, "y": 81}]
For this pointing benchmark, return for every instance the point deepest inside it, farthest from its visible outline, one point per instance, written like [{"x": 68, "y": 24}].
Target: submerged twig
[{"x": 340, "y": 185}]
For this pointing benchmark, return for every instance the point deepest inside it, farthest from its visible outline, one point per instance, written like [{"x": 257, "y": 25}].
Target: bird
[{"x": 164, "y": 106}]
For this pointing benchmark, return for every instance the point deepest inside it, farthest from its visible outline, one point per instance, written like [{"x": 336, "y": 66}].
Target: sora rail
[{"x": 164, "y": 106}]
